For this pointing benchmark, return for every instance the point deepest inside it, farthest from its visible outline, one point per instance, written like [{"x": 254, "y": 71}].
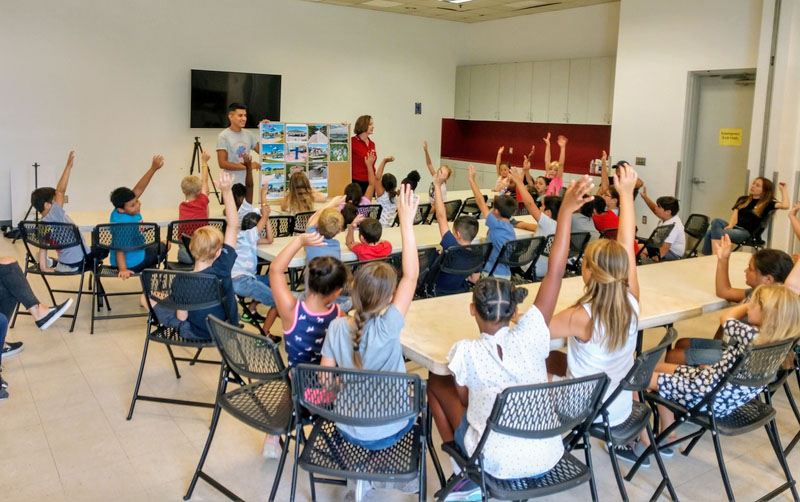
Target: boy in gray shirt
[{"x": 234, "y": 144}]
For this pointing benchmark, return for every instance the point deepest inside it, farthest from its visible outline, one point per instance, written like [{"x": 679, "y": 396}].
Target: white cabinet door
[
  {"x": 559, "y": 92},
  {"x": 461, "y": 108},
  {"x": 505, "y": 97},
  {"x": 600, "y": 90},
  {"x": 578, "y": 95},
  {"x": 540, "y": 91},
  {"x": 523, "y": 78},
  {"x": 483, "y": 92}
]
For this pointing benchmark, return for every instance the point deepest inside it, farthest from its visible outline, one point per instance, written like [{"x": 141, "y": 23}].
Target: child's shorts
[
  {"x": 703, "y": 351},
  {"x": 379, "y": 444}
]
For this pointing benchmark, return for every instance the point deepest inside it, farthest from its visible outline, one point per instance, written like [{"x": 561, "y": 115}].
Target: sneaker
[
  {"x": 53, "y": 315},
  {"x": 625, "y": 452},
  {"x": 275, "y": 339},
  {"x": 3, "y": 383},
  {"x": 666, "y": 451},
  {"x": 256, "y": 316},
  {"x": 465, "y": 491},
  {"x": 272, "y": 447},
  {"x": 3, "y": 394},
  {"x": 359, "y": 492},
  {"x": 245, "y": 317},
  {"x": 12, "y": 349}
]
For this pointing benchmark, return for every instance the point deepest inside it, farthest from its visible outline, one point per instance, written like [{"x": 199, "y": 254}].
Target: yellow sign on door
[{"x": 730, "y": 137}]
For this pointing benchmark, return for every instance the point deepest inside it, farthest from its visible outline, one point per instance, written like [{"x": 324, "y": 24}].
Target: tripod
[
  {"x": 197, "y": 157},
  {"x": 30, "y": 208}
]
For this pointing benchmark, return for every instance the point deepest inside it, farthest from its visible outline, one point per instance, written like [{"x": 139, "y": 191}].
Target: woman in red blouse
[{"x": 362, "y": 146}]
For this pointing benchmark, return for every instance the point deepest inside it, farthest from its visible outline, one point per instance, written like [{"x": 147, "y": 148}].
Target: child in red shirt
[
  {"x": 195, "y": 206},
  {"x": 370, "y": 247}
]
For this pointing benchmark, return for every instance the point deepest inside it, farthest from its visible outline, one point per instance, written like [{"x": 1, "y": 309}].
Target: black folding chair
[
  {"x": 470, "y": 207},
  {"x": 654, "y": 242},
  {"x": 609, "y": 233},
  {"x": 637, "y": 380},
  {"x": 187, "y": 291},
  {"x": 371, "y": 211},
  {"x": 301, "y": 222},
  {"x": 337, "y": 396},
  {"x": 781, "y": 381},
  {"x": 451, "y": 209},
  {"x": 577, "y": 245},
  {"x": 538, "y": 411},
  {"x": 423, "y": 210},
  {"x": 755, "y": 368},
  {"x": 695, "y": 229},
  {"x": 517, "y": 254},
  {"x": 457, "y": 260},
  {"x": 282, "y": 226},
  {"x": 176, "y": 229},
  {"x": 264, "y": 404},
  {"x": 755, "y": 240},
  {"x": 113, "y": 237},
  {"x": 52, "y": 236}
]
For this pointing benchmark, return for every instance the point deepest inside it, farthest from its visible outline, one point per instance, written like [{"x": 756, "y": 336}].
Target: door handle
[{"x": 697, "y": 181}]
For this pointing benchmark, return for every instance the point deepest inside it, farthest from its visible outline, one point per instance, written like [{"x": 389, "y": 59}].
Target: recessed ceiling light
[
  {"x": 455, "y": 1},
  {"x": 385, "y": 4},
  {"x": 525, "y": 3}
]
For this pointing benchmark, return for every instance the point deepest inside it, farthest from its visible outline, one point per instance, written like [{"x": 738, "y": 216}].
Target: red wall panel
[{"x": 478, "y": 141}]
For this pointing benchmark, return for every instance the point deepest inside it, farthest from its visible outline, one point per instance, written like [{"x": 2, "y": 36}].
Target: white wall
[
  {"x": 111, "y": 80},
  {"x": 659, "y": 43}
]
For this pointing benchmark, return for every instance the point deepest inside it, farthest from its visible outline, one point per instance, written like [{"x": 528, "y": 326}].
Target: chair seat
[
  {"x": 568, "y": 473},
  {"x": 171, "y": 336},
  {"x": 745, "y": 418},
  {"x": 327, "y": 452},
  {"x": 625, "y": 432},
  {"x": 265, "y": 405},
  {"x": 109, "y": 271},
  {"x": 34, "y": 269},
  {"x": 176, "y": 265}
]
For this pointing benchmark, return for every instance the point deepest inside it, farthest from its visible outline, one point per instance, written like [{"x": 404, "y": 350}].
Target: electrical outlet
[
  {"x": 510, "y": 150},
  {"x": 644, "y": 220},
  {"x": 640, "y": 161},
  {"x": 66, "y": 198}
]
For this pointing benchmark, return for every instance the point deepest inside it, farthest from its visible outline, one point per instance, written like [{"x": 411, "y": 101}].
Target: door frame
[{"x": 683, "y": 181}]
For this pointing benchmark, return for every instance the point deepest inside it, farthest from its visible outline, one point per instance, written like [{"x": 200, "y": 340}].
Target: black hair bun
[
  {"x": 519, "y": 294},
  {"x": 414, "y": 175}
]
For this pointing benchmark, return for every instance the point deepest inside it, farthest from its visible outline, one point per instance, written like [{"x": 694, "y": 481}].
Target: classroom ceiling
[{"x": 471, "y": 11}]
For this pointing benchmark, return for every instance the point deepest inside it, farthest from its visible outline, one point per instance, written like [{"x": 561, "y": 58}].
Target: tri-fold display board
[{"x": 321, "y": 151}]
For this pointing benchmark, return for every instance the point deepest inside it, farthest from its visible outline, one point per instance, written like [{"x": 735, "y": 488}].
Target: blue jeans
[
  {"x": 255, "y": 287},
  {"x": 168, "y": 318},
  {"x": 717, "y": 230},
  {"x": 3, "y": 330},
  {"x": 379, "y": 444}
]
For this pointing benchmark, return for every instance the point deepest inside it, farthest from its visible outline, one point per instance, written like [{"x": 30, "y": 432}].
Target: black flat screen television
[{"x": 213, "y": 91}]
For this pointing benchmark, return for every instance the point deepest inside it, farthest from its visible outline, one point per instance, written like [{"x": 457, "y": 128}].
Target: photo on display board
[
  {"x": 317, "y": 171},
  {"x": 339, "y": 152},
  {"x": 320, "y": 185},
  {"x": 338, "y": 133},
  {"x": 273, "y": 175},
  {"x": 272, "y": 133},
  {"x": 296, "y": 152},
  {"x": 318, "y": 151},
  {"x": 273, "y": 152},
  {"x": 318, "y": 133},
  {"x": 294, "y": 168},
  {"x": 296, "y": 133}
]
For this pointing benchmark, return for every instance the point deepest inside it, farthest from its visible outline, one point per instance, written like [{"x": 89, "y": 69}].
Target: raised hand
[
  {"x": 625, "y": 179},
  {"x": 501, "y": 150},
  {"x": 265, "y": 209},
  {"x": 440, "y": 178},
  {"x": 644, "y": 190},
  {"x": 577, "y": 194},
  {"x": 425, "y": 145},
  {"x": 158, "y": 162},
  {"x": 370, "y": 159},
  {"x": 516, "y": 176},
  {"x": 407, "y": 204},
  {"x": 311, "y": 239},
  {"x": 71, "y": 158},
  {"x": 225, "y": 180},
  {"x": 562, "y": 141},
  {"x": 724, "y": 247},
  {"x": 388, "y": 159},
  {"x": 547, "y": 139},
  {"x": 526, "y": 162},
  {"x": 205, "y": 156},
  {"x": 604, "y": 156},
  {"x": 472, "y": 172},
  {"x": 334, "y": 202},
  {"x": 357, "y": 220},
  {"x": 794, "y": 209}
]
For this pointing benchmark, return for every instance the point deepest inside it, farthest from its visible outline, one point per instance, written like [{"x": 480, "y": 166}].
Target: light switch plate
[{"x": 640, "y": 161}]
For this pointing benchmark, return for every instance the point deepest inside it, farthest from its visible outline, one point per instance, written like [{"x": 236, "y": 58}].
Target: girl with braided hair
[{"x": 503, "y": 357}]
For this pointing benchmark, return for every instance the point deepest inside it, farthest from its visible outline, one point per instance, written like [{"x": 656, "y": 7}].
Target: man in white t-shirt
[
  {"x": 234, "y": 144},
  {"x": 666, "y": 209}
]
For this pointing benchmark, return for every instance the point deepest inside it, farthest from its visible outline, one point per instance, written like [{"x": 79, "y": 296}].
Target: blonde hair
[
  {"x": 449, "y": 171},
  {"x": 371, "y": 292},
  {"x": 554, "y": 164},
  {"x": 299, "y": 197},
  {"x": 607, "y": 291},
  {"x": 190, "y": 185},
  {"x": 780, "y": 313},
  {"x": 330, "y": 223},
  {"x": 205, "y": 243}
]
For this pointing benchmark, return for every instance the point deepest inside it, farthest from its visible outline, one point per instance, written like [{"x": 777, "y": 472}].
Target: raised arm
[
  {"x": 576, "y": 196},
  {"x": 379, "y": 175},
  {"x": 625, "y": 181},
  {"x": 263, "y": 223},
  {"x": 285, "y": 301},
  {"x": 438, "y": 203},
  {"x": 604, "y": 184},
  {"x": 793, "y": 280},
  {"x": 158, "y": 163},
  {"x": 61, "y": 188},
  {"x": 526, "y": 166},
  {"x": 784, "y": 203},
  {"x": 369, "y": 160},
  {"x": 794, "y": 220},
  {"x": 648, "y": 200},
  {"x": 546, "y": 140},
  {"x": 527, "y": 198},
  {"x": 499, "y": 159},
  {"x": 334, "y": 202},
  {"x": 477, "y": 192},
  {"x": 204, "y": 174},
  {"x": 562, "y": 155},
  {"x": 407, "y": 204},
  {"x": 428, "y": 161},
  {"x": 350, "y": 240},
  {"x": 231, "y": 215},
  {"x": 722, "y": 281}
]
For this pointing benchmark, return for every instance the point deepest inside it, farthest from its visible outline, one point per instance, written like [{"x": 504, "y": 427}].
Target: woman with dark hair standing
[
  {"x": 362, "y": 146},
  {"x": 749, "y": 211}
]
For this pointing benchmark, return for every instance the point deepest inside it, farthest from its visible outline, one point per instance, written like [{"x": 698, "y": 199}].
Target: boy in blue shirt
[
  {"x": 497, "y": 220},
  {"x": 465, "y": 228},
  {"x": 127, "y": 209}
]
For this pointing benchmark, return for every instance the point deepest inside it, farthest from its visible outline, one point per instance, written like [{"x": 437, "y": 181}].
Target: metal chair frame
[{"x": 695, "y": 231}]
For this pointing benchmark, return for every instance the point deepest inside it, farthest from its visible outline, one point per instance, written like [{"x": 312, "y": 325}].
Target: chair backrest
[
  {"x": 760, "y": 363},
  {"x": 577, "y": 245},
  {"x": 282, "y": 226},
  {"x": 470, "y": 206},
  {"x": 609, "y": 233},
  {"x": 423, "y": 210},
  {"x": 659, "y": 235},
  {"x": 179, "y": 227},
  {"x": 547, "y": 409},
  {"x": 465, "y": 259},
  {"x": 301, "y": 222},
  {"x": 638, "y": 377},
  {"x": 370, "y": 211},
  {"x": 451, "y": 209},
  {"x": 249, "y": 355},
  {"x": 695, "y": 229},
  {"x": 357, "y": 397},
  {"x": 46, "y": 235},
  {"x": 762, "y": 225},
  {"x": 125, "y": 236},
  {"x": 182, "y": 290},
  {"x": 392, "y": 259},
  {"x": 520, "y": 252}
]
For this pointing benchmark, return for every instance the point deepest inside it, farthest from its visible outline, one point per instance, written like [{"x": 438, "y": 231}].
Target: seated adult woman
[{"x": 749, "y": 213}]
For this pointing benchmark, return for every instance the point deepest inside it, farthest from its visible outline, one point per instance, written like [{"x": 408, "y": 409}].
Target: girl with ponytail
[{"x": 502, "y": 357}]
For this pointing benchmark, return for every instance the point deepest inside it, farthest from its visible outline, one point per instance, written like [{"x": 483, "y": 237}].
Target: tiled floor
[{"x": 63, "y": 433}]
